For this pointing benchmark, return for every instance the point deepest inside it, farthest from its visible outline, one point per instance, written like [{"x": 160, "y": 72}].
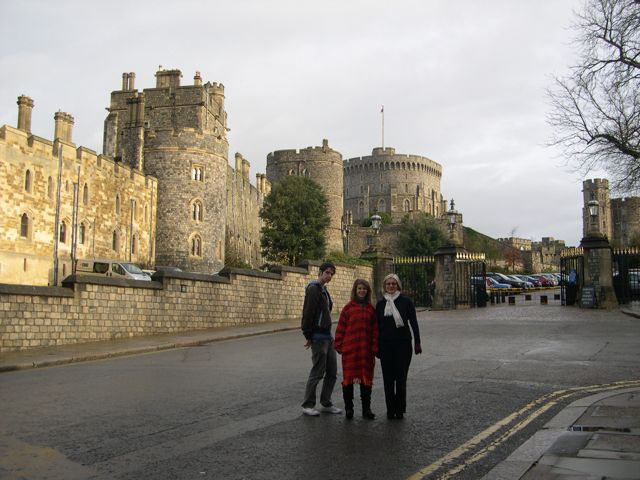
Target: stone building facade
[
  {"x": 618, "y": 218},
  {"x": 392, "y": 183},
  {"x": 324, "y": 166},
  {"x": 115, "y": 214}
]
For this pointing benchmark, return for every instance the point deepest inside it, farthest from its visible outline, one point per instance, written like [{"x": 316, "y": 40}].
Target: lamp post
[
  {"x": 593, "y": 206},
  {"x": 452, "y": 216}
]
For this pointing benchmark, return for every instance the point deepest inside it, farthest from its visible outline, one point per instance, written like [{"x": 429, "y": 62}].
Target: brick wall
[{"x": 94, "y": 308}]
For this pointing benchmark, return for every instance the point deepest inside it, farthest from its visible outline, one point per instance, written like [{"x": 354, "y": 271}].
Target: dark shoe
[
  {"x": 391, "y": 415},
  {"x": 368, "y": 414},
  {"x": 349, "y": 413},
  {"x": 399, "y": 416}
]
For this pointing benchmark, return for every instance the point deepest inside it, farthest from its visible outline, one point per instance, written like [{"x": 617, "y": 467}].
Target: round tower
[
  {"x": 324, "y": 166},
  {"x": 186, "y": 149},
  {"x": 392, "y": 183}
]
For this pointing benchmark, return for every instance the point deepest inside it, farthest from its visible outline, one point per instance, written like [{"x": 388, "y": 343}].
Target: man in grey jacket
[{"x": 316, "y": 328}]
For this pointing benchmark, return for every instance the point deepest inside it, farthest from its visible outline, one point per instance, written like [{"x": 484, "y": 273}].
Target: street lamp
[
  {"x": 593, "y": 206},
  {"x": 452, "y": 214},
  {"x": 376, "y": 221}
]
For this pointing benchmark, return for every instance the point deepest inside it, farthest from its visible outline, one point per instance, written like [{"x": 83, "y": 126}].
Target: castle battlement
[
  {"x": 595, "y": 183},
  {"x": 34, "y": 146}
]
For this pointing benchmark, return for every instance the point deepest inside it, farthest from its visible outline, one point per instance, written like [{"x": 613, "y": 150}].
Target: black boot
[
  {"x": 347, "y": 394},
  {"x": 365, "y": 395}
]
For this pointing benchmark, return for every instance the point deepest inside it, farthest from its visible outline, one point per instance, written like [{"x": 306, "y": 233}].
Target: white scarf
[{"x": 391, "y": 310}]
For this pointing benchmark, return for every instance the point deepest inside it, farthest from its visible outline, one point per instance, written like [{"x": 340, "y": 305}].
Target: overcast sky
[{"x": 462, "y": 83}]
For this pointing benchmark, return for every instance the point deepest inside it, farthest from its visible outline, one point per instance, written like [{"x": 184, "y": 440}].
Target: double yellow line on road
[{"x": 518, "y": 420}]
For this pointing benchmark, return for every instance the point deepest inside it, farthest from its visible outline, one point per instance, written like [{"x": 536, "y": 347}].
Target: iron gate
[
  {"x": 471, "y": 287},
  {"x": 571, "y": 274},
  {"x": 626, "y": 274},
  {"x": 417, "y": 275}
]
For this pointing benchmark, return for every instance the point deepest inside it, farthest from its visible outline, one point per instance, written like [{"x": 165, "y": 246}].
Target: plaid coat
[{"x": 357, "y": 342}]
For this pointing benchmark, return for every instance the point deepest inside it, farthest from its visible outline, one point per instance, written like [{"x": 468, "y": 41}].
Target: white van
[{"x": 111, "y": 268}]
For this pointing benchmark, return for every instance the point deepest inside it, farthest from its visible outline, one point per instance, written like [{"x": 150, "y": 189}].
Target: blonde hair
[{"x": 395, "y": 277}]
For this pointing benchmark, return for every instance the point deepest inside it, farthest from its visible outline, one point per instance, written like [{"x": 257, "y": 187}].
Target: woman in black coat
[{"x": 396, "y": 320}]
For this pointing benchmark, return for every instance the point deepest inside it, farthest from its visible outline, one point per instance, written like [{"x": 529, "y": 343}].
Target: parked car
[
  {"x": 502, "y": 278},
  {"x": 536, "y": 281},
  {"x": 110, "y": 268},
  {"x": 492, "y": 283},
  {"x": 527, "y": 282},
  {"x": 543, "y": 280}
]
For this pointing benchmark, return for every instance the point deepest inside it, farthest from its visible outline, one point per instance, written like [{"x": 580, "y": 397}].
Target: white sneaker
[
  {"x": 312, "y": 412},
  {"x": 331, "y": 409}
]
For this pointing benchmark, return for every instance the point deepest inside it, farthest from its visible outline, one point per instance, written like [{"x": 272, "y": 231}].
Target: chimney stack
[
  {"x": 63, "y": 127},
  {"x": 25, "y": 106}
]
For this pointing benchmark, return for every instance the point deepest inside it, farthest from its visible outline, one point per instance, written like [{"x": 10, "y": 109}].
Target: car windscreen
[{"x": 132, "y": 268}]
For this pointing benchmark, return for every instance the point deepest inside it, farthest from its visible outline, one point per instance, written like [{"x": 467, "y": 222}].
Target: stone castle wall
[
  {"x": 392, "y": 183},
  {"x": 115, "y": 217},
  {"x": 324, "y": 166},
  {"x": 94, "y": 308},
  {"x": 243, "y": 223}
]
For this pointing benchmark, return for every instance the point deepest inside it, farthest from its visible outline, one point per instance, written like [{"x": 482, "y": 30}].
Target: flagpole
[{"x": 382, "y": 112}]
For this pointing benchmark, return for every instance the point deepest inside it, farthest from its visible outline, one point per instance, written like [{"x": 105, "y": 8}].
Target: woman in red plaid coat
[{"x": 357, "y": 342}]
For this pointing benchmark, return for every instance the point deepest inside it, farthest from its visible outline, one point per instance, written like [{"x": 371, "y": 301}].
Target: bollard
[
  {"x": 543, "y": 300},
  {"x": 512, "y": 300},
  {"x": 493, "y": 298},
  {"x": 527, "y": 296}
]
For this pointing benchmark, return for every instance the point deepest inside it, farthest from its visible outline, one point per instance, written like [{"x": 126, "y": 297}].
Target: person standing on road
[
  {"x": 357, "y": 342},
  {"x": 316, "y": 328},
  {"x": 396, "y": 316}
]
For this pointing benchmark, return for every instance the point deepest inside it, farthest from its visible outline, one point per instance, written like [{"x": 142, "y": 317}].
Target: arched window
[
  {"x": 63, "y": 232},
  {"x": 196, "y": 173},
  {"x": 82, "y": 232},
  {"x": 196, "y": 211},
  {"x": 117, "y": 204},
  {"x": 360, "y": 209},
  {"x": 382, "y": 205},
  {"x": 115, "y": 241},
  {"x": 406, "y": 205},
  {"x": 27, "y": 181},
  {"x": 50, "y": 187},
  {"x": 85, "y": 195},
  {"x": 196, "y": 246},
  {"x": 24, "y": 226}
]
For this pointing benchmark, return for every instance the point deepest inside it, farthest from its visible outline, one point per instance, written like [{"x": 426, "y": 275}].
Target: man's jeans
[{"x": 323, "y": 357}]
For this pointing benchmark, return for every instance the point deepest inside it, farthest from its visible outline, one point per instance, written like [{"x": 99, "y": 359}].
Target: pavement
[{"x": 596, "y": 437}]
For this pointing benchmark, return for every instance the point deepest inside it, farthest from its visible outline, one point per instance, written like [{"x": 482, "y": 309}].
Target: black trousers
[{"x": 395, "y": 358}]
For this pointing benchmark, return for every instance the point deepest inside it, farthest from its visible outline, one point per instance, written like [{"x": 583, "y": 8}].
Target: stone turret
[
  {"x": 324, "y": 166},
  {"x": 177, "y": 133}
]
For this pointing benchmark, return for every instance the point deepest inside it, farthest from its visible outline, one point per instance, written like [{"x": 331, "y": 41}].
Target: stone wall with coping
[{"x": 89, "y": 309}]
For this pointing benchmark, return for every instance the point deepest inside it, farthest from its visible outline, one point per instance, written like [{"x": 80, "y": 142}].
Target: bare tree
[{"x": 596, "y": 108}]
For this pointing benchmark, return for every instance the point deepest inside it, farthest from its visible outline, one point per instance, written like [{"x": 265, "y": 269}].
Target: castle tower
[
  {"x": 324, "y": 166},
  {"x": 392, "y": 183},
  {"x": 177, "y": 134},
  {"x": 597, "y": 189}
]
